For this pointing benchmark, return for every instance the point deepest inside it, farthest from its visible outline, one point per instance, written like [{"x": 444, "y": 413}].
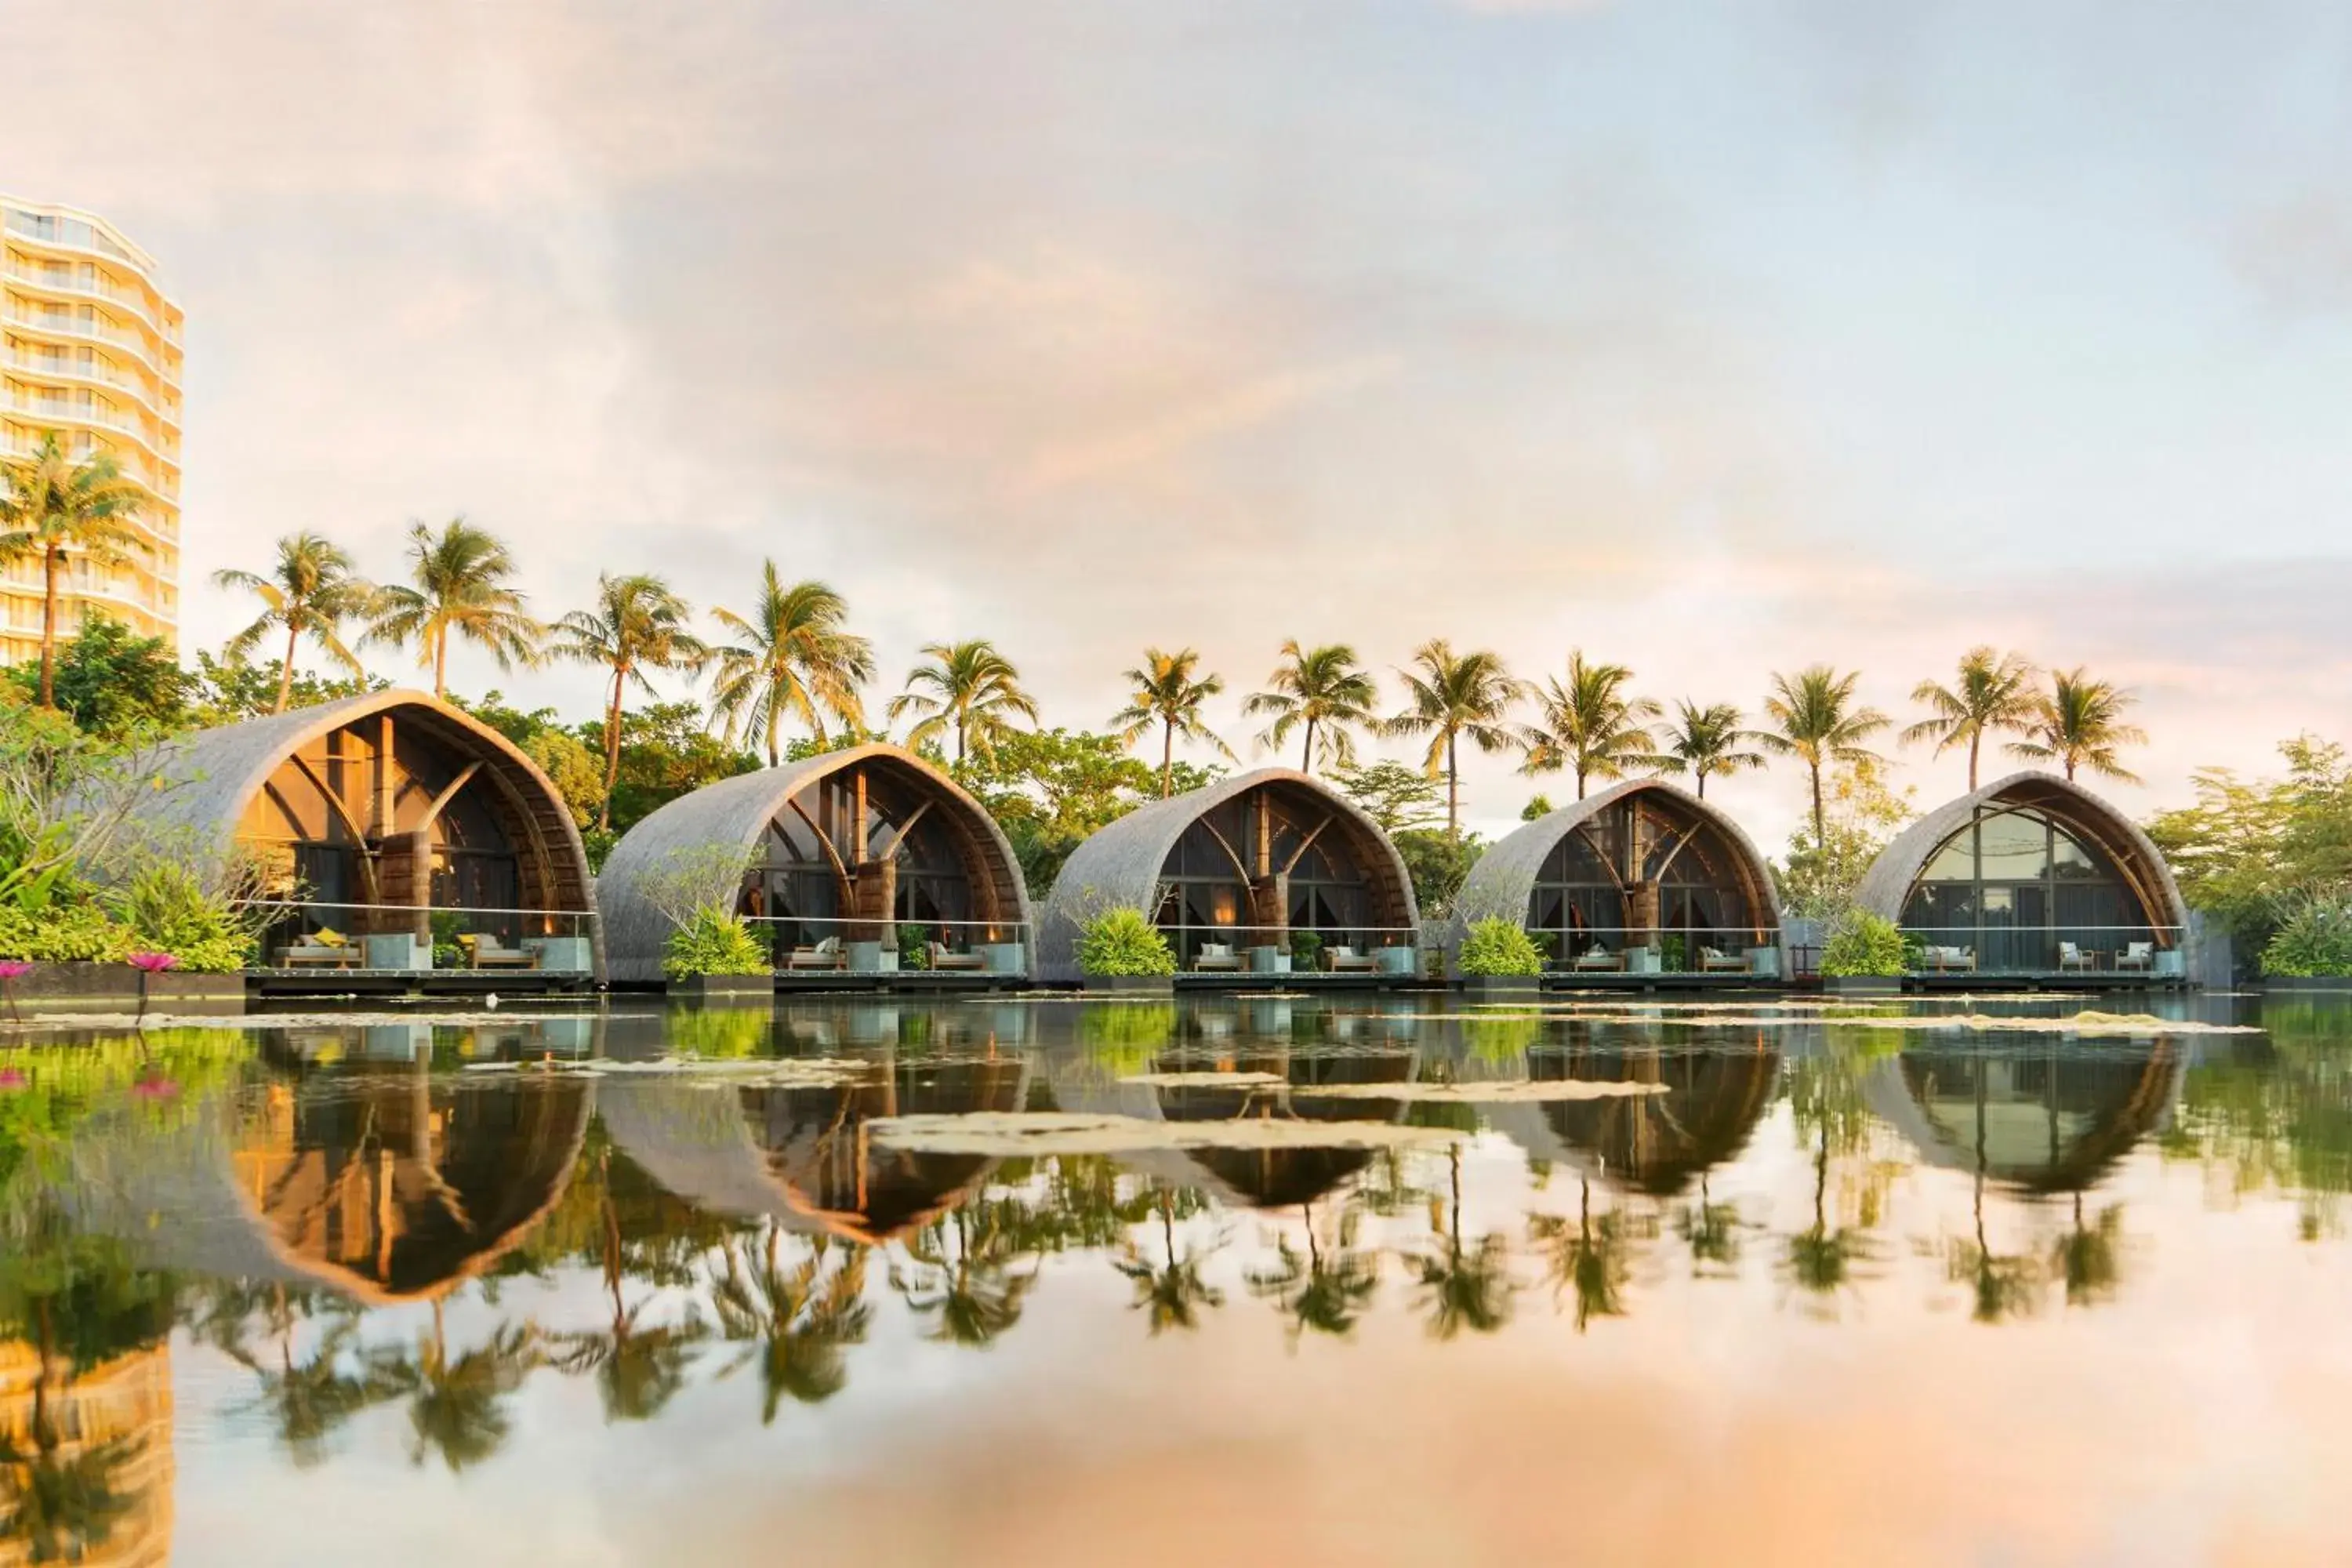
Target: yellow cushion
[
  {"x": 467, "y": 939},
  {"x": 327, "y": 937}
]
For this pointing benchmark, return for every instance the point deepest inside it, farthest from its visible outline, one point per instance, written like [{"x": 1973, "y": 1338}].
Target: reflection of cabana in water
[
  {"x": 1640, "y": 878},
  {"x": 1230, "y": 872},
  {"x": 1283, "y": 1178},
  {"x": 843, "y": 851},
  {"x": 2047, "y": 1121},
  {"x": 2030, "y": 875},
  {"x": 382, "y": 815},
  {"x": 1654, "y": 1144},
  {"x": 109, "y": 1426},
  {"x": 378, "y": 1182},
  {"x": 800, "y": 1155}
]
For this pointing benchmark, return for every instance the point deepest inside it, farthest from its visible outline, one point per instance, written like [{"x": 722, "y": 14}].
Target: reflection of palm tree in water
[
  {"x": 1322, "y": 1293},
  {"x": 638, "y": 1370},
  {"x": 1463, "y": 1287},
  {"x": 2090, "y": 1260},
  {"x": 1593, "y": 1259},
  {"x": 1172, "y": 1296},
  {"x": 2003, "y": 1285},
  {"x": 975, "y": 1295},
  {"x": 456, "y": 1407},
  {"x": 1711, "y": 1231},
  {"x": 307, "y": 1400},
  {"x": 803, "y": 1317},
  {"x": 1822, "y": 1259}
]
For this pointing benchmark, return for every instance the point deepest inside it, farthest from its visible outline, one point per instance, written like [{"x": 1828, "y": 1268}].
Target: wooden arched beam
[
  {"x": 840, "y": 871},
  {"x": 1241, "y": 866},
  {"x": 344, "y": 814},
  {"x": 898, "y": 840},
  {"x": 449, "y": 794},
  {"x": 1304, "y": 845}
]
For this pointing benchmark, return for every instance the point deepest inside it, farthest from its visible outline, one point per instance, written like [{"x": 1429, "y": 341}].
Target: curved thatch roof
[
  {"x": 1887, "y": 884},
  {"x": 2049, "y": 1123},
  {"x": 1499, "y": 886},
  {"x": 739, "y": 810},
  {"x": 213, "y": 777},
  {"x": 1120, "y": 865}
]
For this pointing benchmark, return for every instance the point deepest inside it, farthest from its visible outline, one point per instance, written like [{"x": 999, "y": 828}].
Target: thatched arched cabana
[{"x": 847, "y": 845}]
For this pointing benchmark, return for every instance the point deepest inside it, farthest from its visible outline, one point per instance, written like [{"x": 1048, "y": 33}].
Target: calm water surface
[{"x": 1829, "y": 1287}]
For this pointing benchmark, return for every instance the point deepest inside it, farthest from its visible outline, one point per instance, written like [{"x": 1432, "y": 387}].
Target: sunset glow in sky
[{"x": 1713, "y": 338}]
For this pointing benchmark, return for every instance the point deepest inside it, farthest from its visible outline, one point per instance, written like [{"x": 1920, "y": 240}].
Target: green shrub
[
  {"x": 1496, "y": 946},
  {"x": 1863, "y": 943},
  {"x": 713, "y": 942},
  {"x": 1306, "y": 950},
  {"x": 914, "y": 947},
  {"x": 1122, "y": 942},
  {"x": 1674, "y": 954},
  {"x": 67, "y": 933},
  {"x": 2314, "y": 936},
  {"x": 168, "y": 908}
]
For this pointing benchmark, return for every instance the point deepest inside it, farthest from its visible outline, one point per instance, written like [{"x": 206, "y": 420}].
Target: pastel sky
[{"x": 1713, "y": 338}]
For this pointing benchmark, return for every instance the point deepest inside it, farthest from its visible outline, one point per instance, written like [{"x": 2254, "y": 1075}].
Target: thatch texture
[
  {"x": 1503, "y": 881},
  {"x": 213, "y": 777},
  {"x": 1120, "y": 865},
  {"x": 1886, "y": 885},
  {"x": 737, "y": 811}
]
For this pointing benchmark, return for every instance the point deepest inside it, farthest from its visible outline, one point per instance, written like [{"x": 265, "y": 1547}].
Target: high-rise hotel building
[{"x": 92, "y": 353}]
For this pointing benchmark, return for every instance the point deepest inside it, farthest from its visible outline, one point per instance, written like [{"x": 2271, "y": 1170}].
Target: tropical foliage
[
  {"x": 312, "y": 592},
  {"x": 1706, "y": 742},
  {"x": 1169, "y": 693},
  {"x": 1499, "y": 947},
  {"x": 1589, "y": 726},
  {"x": 57, "y": 510},
  {"x": 1816, "y": 720},
  {"x": 1862, "y": 944},
  {"x": 793, "y": 661},
  {"x": 713, "y": 942},
  {"x": 1994, "y": 692},
  {"x": 1325, "y": 695},
  {"x": 459, "y": 587},
  {"x": 968, "y": 688},
  {"x": 636, "y": 626},
  {"x": 1451, "y": 698},
  {"x": 2078, "y": 723},
  {"x": 1122, "y": 942}
]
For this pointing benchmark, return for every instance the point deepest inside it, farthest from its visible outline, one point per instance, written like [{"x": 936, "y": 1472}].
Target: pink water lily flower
[
  {"x": 15, "y": 968},
  {"x": 153, "y": 963},
  {"x": 155, "y": 1088},
  {"x": 12, "y": 1081}
]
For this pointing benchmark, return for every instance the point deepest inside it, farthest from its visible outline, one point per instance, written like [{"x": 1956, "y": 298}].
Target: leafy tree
[
  {"x": 1324, "y": 692},
  {"x": 1438, "y": 863},
  {"x": 1538, "y": 806},
  {"x": 1452, "y": 697},
  {"x": 1817, "y": 723},
  {"x": 1588, "y": 725},
  {"x": 794, "y": 661},
  {"x": 1168, "y": 694},
  {"x": 1703, "y": 741},
  {"x": 667, "y": 753},
  {"x": 1397, "y": 797},
  {"x": 1050, "y": 790},
  {"x": 457, "y": 586},
  {"x": 1818, "y": 876},
  {"x": 572, "y": 768},
  {"x": 56, "y": 511},
  {"x": 111, "y": 682},
  {"x": 2078, "y": 723},
  {"x": 637, "y": 625},
  {"x": 2247, "y": 847},
  {"x": 968, "y": 687},
  {"x": 312, "y": 590},
  {"x": 228, "y": 690},
  {"x": 1995, "y": 691}
]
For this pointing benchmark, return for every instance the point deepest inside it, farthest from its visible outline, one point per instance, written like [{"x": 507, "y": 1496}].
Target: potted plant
[
  {"x": 1864, "y": 956},
  {"x": 1120, "y": 950},
  {"x": 1498, "y": 961},
  {"x": 715, "y": 957}
]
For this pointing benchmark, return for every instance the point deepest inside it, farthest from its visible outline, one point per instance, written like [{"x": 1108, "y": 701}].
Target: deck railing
[
  {"x": 1599, "y": 952},
  {"x": 1249, "y": 950},
  {"x": 840, "y": 945},
  {"x": 2045, "y": 950},
  {"x": 315, "y": 935}
]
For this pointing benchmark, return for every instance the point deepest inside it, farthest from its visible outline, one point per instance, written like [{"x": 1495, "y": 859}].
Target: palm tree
[
  {"x": 57, "y": 510},
  {"x": 637, "y": 625},
  {"x": 1464, "y": 1288},
  {"x": 804, "y": 1318},
  {"x": 968, "y": 685},
  {"x": 312, "y": 592},
  {"x": 456, "y": 587},
  {"x": 794, "y": 661},
  {"x": 1451, "y": 696},
  {"x": 2078, "y": 723},
  {"x": 1323, "y": 690},
  {"x": 1702, "y": 742},
  {"x": 1994, "y": 692},
  {"x": 1588, "y": 726},
  {"x": 1322, "y": 1292},
  {"x": 1168, "y": 693},
  {"x": 1817, "y": 723}
]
